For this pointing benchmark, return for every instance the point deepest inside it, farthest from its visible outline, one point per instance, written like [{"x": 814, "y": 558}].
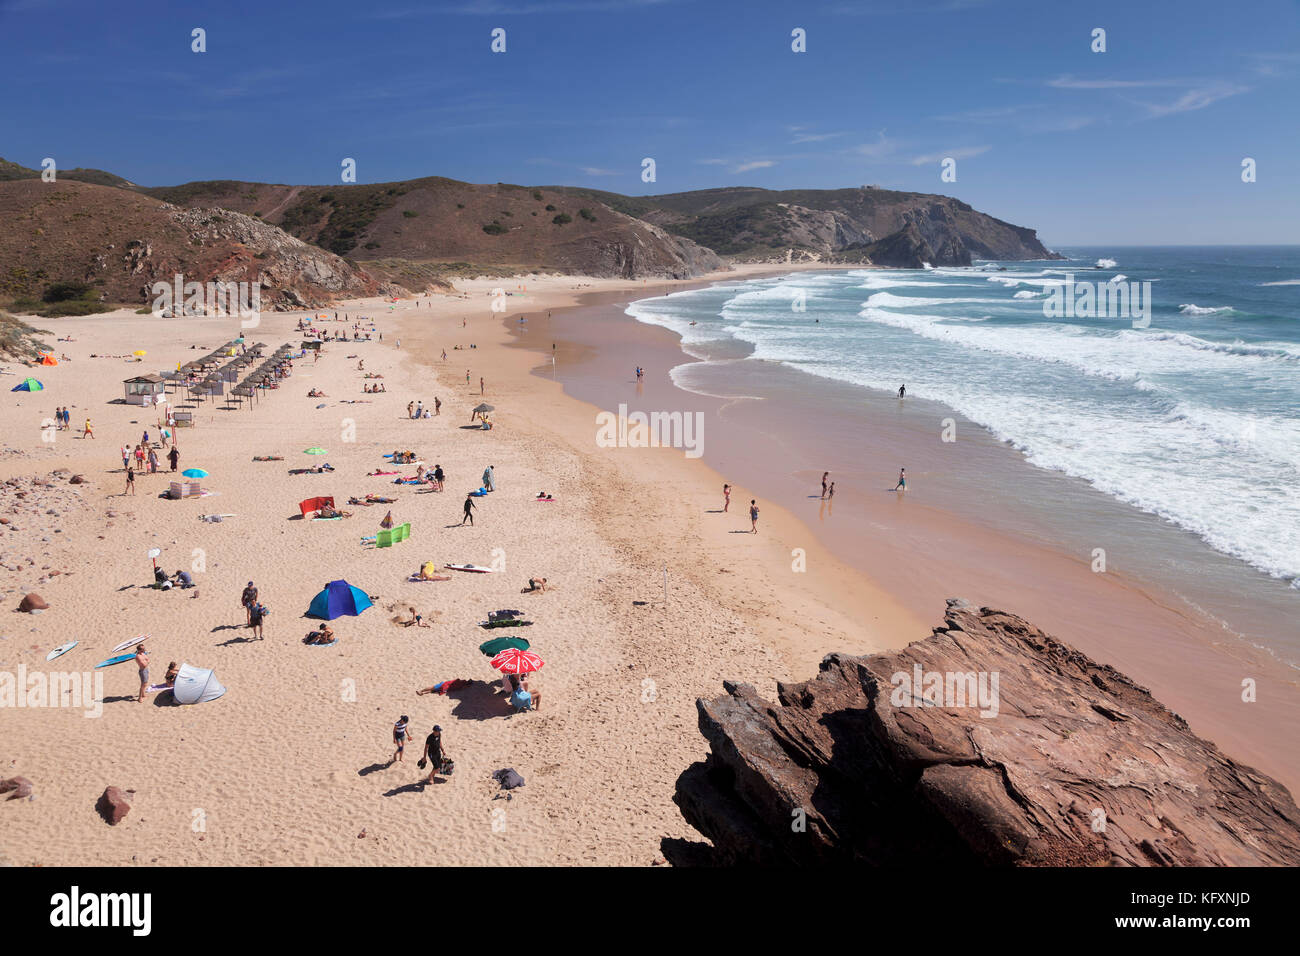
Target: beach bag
[{"x": 447, "y": 767}]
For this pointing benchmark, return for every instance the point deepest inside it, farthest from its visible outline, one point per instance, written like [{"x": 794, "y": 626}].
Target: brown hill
[
  {"x": 882, "y": 226},
  {"x": 444, "y": 221},
  {"x": 121, "y": 242}
]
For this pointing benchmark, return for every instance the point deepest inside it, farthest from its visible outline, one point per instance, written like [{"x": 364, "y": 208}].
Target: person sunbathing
[
  {"x": 329, "y": 511},
  {"x": 323, "y": 636},
  {"x": 379, "y": 500},
  {"x": 268, "y": 458}
]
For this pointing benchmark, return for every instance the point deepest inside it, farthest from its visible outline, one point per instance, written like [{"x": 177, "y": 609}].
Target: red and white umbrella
[{"x": 514, "y": 661}]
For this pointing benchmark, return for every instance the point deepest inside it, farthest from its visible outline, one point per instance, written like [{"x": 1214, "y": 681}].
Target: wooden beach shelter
[{"x": 144, "y": 389}]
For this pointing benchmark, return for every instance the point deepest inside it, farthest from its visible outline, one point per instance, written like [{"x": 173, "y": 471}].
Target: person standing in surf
[
  {"x": 902, "y": 480},
  {"x": 902, "y": 391},
  {"x": 726, "y": 498},
  {"x": 825, "y": 475},
  {"x": 753, "y": 516}
]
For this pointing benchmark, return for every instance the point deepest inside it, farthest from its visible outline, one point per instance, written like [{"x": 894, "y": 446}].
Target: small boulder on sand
[
  {"x": 112, "y": 805},
  {"x": 21, "y": 787},
  {"x": 33, "y": 602}
]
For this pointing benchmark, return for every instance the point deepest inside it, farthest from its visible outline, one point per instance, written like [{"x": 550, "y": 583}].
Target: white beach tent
[{"x": 196, "y": 685}]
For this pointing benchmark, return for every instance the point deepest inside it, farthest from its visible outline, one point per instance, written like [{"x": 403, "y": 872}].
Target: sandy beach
[
  {"x": 291, "y": 765},
  {"x": 655, "y": 599}
]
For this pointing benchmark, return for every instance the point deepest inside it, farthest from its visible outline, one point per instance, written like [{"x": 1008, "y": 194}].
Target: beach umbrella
[
  {"x": 515, "y": 661},
  {"x": 194, "y": 473},
  {"x": 28, "y": 385},
  {"x": 139, "y": 353},
  {"x": 338, "y": 598},
  {"x": 498, "y": 644},
  {"x": 485, "y": 407},
  {"x": 315, "y": 450}
]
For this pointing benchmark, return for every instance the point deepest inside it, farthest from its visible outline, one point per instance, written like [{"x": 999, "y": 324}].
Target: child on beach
[{"x": 401, "y": 734}]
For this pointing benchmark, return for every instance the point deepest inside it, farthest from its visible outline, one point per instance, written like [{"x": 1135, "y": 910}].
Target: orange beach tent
[{"x": 47, "y": 358}]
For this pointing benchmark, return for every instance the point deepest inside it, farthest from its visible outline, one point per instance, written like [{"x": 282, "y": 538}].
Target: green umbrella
[
  {"x": 314, "y": 450},
  {"x": 498, "y": 644}
]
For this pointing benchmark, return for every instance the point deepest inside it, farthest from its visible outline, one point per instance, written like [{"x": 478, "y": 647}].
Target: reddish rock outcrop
[{"x": 1060, "y": 761}]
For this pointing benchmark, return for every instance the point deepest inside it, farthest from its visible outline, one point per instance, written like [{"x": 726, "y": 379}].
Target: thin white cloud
[
  {"x": 1071, "y": 83},
  {"x": 964, "y": 152},
  {"x": 597, "y": 171},
  {"x": 753, "y": 164},
  {"x": 1195, "y": 99},
  {"x": 713, "y": 162},
  {"x": 814, "y": 137},
  {"x": 882, "y": 147}
]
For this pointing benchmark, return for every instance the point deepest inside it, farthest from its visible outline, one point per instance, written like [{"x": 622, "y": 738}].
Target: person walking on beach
[
  {"x": 444, "y": 355},
  {"x": 130, "y": 481},
  {"x": 173, "y": 457},
  {"x": 438, "y": 476},
  {"x": 466, "y": 376},
  {"x": 480, "y": 385},
  {"x": 142, "y": 662},
  {"x": 126, "y": 456},
  {"x": 434, "y": 755},
  {"x": 753, "y": 516},
  {"x": 469, "y": 510},
  {"x": 489, "y": 479},
  {"x": 89, "y": 432},
  {"x": 825, "y": 475},
  {"x": 902, "y": 480},
  {"x": 437, "y": 405},
  {"x": 67, "y": 419},
  {"x": 248, "y": 599},
  {"x": 726, "y": 498},
  {"x": 153, "y": 461},
  {"x": 401, "y": 734},
  {"x": 255, "y": 615},
  {"x": 410, "y": 409}
]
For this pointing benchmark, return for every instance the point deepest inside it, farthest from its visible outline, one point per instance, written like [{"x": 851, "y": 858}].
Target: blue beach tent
[
  {"x": 28, "y": 385},
  {"x": 338, "y": 598}
]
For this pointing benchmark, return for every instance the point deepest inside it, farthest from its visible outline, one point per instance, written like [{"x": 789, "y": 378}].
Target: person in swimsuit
[
  {"x": 142, "y": 662},
  {"x": 825, "y": 475},
  {"x": 130, "y": 480},
  {"x": 401, "y": 734},
  {"x": 830, "y": 492},
  {"x": 753, "y": 516},
  {"x": 902, "y": 480},
  {"x": 726, "y": 498}
]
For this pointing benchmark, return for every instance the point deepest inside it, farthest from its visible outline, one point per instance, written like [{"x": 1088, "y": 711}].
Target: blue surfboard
[{"x": 121, "y": 658}]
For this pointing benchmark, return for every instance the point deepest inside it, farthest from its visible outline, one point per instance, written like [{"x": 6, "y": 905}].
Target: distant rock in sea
[{"x": 1051, "y": 760}]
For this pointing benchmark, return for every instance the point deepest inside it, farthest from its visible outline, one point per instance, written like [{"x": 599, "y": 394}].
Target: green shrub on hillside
[{"x": 562, "y": 218}]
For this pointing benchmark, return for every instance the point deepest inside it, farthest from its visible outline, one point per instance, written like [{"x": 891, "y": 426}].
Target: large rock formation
[{"x": 1060, "y": 761}]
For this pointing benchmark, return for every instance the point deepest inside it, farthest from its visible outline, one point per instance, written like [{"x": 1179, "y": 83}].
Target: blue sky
[{"x": 1140, "y": 144}]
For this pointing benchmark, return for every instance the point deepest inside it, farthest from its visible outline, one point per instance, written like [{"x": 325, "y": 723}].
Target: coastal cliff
[{"x": 1054, "y": 760}]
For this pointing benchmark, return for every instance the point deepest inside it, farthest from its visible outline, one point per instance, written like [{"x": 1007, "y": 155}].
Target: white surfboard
[
  {"x": 61, "y": 650},
  {"x": 477, "y": 569},
  {"x": 131, "y": 643}
]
